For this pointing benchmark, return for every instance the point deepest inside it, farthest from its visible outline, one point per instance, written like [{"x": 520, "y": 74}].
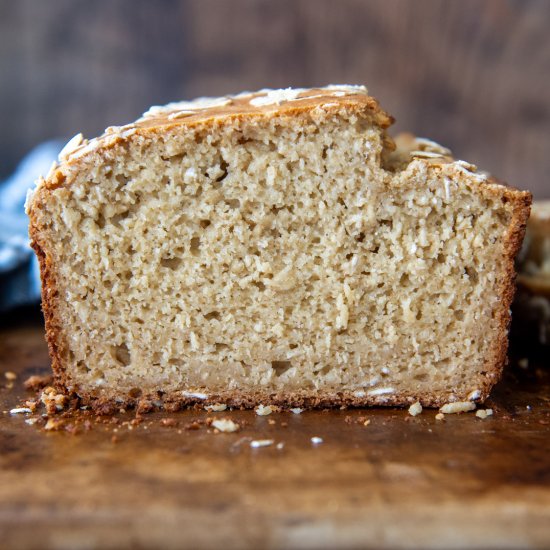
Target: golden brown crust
[
  {"x": 285, "y": 400},
  {"x": 521, "y": 201},
  {"x": 357, "y": 102},
  {"x": 50, "y": 297}
]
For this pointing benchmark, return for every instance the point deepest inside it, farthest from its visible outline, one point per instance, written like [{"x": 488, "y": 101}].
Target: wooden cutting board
[{"x": 398, "y": 482}]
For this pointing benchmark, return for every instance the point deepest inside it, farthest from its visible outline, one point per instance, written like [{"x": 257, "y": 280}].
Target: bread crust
[{"x": 363, "y": 105}]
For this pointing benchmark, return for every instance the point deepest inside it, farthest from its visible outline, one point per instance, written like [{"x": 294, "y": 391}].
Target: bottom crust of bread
[{"x": 303, "y": 399}]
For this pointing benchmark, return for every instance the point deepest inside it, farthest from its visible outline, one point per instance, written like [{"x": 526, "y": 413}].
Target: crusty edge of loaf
[
  {"x": 50, "y": 298},
  {"x": 494, "y": 364},
  {"x": 498, "y": 356}
]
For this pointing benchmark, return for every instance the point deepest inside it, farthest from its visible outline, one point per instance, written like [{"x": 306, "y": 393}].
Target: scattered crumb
[
  {"x": 37, "y": 382},
  {"x": 217, "y": 407},
  {"x": 280, "y": 445},
  {"x": 21, "y": 410},
  {"x": 528, "y": 407},
  {"x": 11, "y": 376},
  {"x": 317, "y": 440},
  {"x": 458, "y": 407},
  {"x": 262, "y": 410},
  {"x": 296, "y": 410},
  {"x": 114, "y": 439},
  {"x": 440, "y": 416},
  {"x": 271, "y": 422},
  {"x": 415, "y": 409},
  {"x": 31, "y": 421},
  {"x": 32, "y": 404},
  {"x": 53, "y": 424},
  {"x": 144, "y": 406},
  {"x": 523, "y": 363},
  {"x": 52, "y": 400},
  {"x": 255, "y": 444},
  {"x": 192, "y": 425},
  {"x": 171, "y": 407},
  {"x": 357, "y": 420},
  {"x": 284, "y": 424},
  {"x": 225, "y": 425},
  {"x": 167, "y": 422},
  {"x": 484, "y": 413}
]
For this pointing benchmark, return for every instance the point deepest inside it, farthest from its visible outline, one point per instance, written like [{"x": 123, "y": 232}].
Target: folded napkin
[{"x": 19, "y": 274}]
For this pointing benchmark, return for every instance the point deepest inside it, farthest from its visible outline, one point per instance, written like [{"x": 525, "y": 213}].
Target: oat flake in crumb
[
  {"x": 458, "y": 407},
  {"x": 415, "y": 409},
  {"x": 276, "y": 97},
  {"x": 21, "y": 410},
  {"x": 257, "y": 443},
  {"x": 217, "y": 407},
  {"x": 296, "y": 410},
  {"x": 264, "y": 410},
  {"x": 195, "y": 394}
]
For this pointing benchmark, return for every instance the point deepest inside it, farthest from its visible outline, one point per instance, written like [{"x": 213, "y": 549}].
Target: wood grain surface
[
  {"x": 398, "y": 482},
  {"x": 472, "y": 74}
]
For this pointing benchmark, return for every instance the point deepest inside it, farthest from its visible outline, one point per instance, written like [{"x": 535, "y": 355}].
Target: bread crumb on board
[
  {"x": 37, "y": 382},
  {"x": 53, "y": 401},
  {"x": 484, "y": 413},
  {"x": 415, "y": 409},
  {"x": 225, "y": 425},
  {"x": 264, "y": 410}
]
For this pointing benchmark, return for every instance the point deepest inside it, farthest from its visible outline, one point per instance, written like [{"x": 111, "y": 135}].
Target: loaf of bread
[{"x": 274, "y": 248}]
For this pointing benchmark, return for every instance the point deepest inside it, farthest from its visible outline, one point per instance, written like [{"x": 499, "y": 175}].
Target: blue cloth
[{"x": 19, "y": 274}]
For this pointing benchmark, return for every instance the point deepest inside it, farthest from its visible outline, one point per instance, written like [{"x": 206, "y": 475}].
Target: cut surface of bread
[{"x": 274, "y": 247}]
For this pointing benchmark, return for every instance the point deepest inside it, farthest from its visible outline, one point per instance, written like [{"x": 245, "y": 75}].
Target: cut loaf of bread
[{"x": 274, "y": 247}]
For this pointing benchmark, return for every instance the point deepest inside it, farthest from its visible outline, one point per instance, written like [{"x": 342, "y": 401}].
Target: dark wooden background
[{"x": 473, "y": 74}]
